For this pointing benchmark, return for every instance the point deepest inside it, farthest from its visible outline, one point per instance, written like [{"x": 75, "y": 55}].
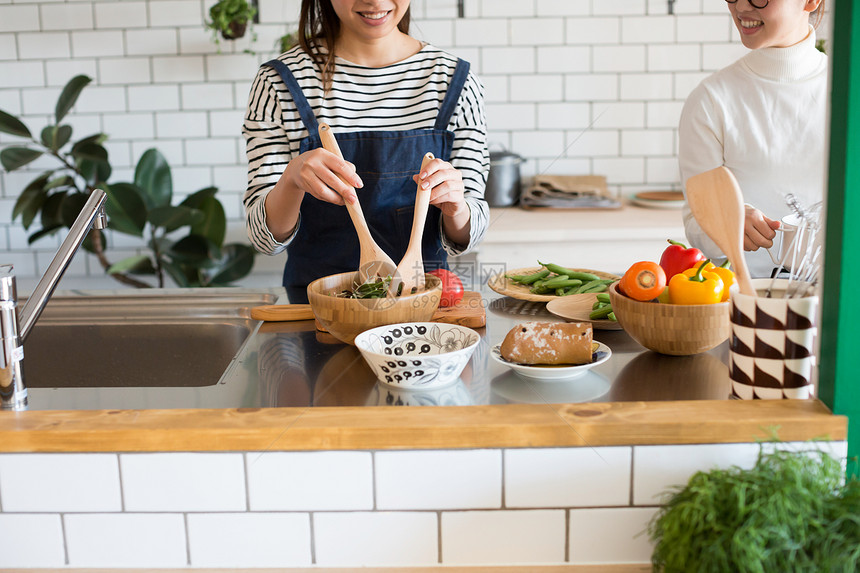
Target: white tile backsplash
[
  {"x": 656, "y": 468},
  {"x": 67, "y": 16},
  {"x": 31, "y": 540},
  {"x": 503, "y": 537},
  {"x": 43, "y": 46},
  {"x": 126, "y": 540},
  {"x": 249, "y": 539},
  {"x": 610, "y": 535},
  {"x": 120, "y": 14},
  {"x": 439, "y": 479},
  {"x": 377, "y": 539},
  {"x": 310, "y": 480},
  {"x": 98, "y": 43},
  {"x": 183, "y": 482},
  {"x": 567, "y": 477},
  {"x": 19, "y": 18},
  {"x": 59, "y": 482}
]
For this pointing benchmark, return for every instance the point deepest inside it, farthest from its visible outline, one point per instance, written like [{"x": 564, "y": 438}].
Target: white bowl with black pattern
[{"x": 417, "y": 355}]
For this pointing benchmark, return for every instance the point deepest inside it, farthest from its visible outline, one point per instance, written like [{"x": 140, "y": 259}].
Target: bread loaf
[{"x": 548, "y": 343}]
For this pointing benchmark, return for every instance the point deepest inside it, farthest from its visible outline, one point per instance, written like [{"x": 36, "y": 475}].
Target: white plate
[
  {"x": 656, "y": 204},
  {"x": 552, "y": 373}
]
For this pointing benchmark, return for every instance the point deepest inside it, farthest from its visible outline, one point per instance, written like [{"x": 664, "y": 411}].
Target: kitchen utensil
[
  {"x": 503, "y": 181},
  {"x": 345, "y": 317},
  {"x": 504, "y": 286},
  {"x": 418, "y": 355},
  {"x": 674, "y": 329},
  {"x": 409, "y": 275},
  {"x": 469, "y": 311},
  {"x": 577, "y": 307},
  {"x": 373, "y": 261},
  {"x": 716, "y": 202}
]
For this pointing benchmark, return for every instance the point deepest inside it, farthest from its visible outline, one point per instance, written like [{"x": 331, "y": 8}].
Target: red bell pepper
[{"x": 677, "y": 258}]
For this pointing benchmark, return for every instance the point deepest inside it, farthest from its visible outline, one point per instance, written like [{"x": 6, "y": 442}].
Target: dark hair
[{"x": 319, "y": 26}]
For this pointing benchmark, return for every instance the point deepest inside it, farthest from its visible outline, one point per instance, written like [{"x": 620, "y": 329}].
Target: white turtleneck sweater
[{"x": 764, "y": 118}]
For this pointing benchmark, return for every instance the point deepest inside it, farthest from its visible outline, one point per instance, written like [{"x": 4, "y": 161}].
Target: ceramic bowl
[
  {"x": 674, "y": 329},
  {"x": 344, "y": 318},
  {"x": 418, "y": 355}
]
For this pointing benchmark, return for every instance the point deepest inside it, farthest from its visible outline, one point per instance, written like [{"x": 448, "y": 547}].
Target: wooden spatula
[
  {"x": 717, "y": 204},
  {"x": 410, "y": 272},
  {"x": 373, "y": 261}
]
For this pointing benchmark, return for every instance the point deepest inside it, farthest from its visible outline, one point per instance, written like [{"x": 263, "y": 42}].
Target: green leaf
[
  {"x": 136, "y": 265},
  {"x": 213, "y": 226},
  {"x": 54, "y": 137},
  {"x": 60, "y": 182},
  {"x": 14, "y": 157},
  {"x": 125, "y": 209},
  {"x": 236, "y": 262},
  {"x": 51, "y": 210},
  {"x": 196, "y": 199},
  {"x": 95, "y": 172},
  {"x": 71, "y": 207},
  {"x": 177, "y": 273},
  {"x": 12, "y": 125},
  {"x": 172, "y": 218},
  {"x": 89, "y": 150},
  {"x": 192, "y": 249},
  {"x": 152, "y": 175},
  {"x": 44, "y": 232},
  {"x": 69, "y": 96},
  {"x": 31, "y": 199}
]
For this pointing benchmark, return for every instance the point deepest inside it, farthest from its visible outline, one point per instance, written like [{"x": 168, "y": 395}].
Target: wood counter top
[{"x": 348, "y": 428}]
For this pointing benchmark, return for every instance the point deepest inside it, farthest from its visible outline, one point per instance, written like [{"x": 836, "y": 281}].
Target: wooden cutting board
[{"x": 469, "y": 311}]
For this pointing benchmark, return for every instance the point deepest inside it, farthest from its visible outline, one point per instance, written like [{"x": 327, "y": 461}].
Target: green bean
[
  {"x": 595, "y": 289},
  {"x": 611, "y": 316},
  {"x": 602, "y": 297},
  {"x": 559, "y": 291},
  {"x": 556, "y": 282},
  {"x": 559, "y": 270},
  {"x": 597, "y": 304},
  {"x": 529, "y": 279},
  {"x": 590, "y": 284},
  {"x": 600, "y": 313}
]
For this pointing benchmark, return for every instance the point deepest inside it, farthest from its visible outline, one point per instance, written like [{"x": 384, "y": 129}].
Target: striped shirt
[{"x": 402, "y": 96}]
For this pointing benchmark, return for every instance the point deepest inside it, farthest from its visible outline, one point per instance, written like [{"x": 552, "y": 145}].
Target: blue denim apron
[{"x": 326, "y": 242}]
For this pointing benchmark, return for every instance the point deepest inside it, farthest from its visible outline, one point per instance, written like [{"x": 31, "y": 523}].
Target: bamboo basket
[
  {"x": 345, "y": 318},
  {"x": 674, "y": 329}
]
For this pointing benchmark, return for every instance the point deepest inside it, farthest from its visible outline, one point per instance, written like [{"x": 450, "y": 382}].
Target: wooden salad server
[
  {"x": 282, "y": 312},
  {"x": 410, "y": 272},
  {"x": 716, "y": 202},
  {"x": 373, "y": 261}
]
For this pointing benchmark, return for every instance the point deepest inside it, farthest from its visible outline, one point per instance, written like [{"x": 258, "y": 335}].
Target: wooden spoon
[
  {"x": 410, "y": 272},
  {"x": 717, "y": 204},
  {"x": 373, "y": 261}
]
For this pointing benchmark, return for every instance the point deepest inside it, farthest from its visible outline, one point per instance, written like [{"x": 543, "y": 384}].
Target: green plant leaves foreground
[{"x": 186, "y": 241}]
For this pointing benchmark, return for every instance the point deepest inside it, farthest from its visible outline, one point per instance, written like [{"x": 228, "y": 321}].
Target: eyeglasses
[{"x": 754, "y": 3}]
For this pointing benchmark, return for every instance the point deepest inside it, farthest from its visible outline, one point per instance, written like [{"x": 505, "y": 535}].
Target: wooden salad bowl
[
  {"x": 345, "y": 318},
  {"x": 674, "y": 329}
]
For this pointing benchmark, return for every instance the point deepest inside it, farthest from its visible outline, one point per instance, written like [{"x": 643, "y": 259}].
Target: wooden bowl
[
  {"x": 674, "y": 329},
  {"x": 345, "y": 318}
]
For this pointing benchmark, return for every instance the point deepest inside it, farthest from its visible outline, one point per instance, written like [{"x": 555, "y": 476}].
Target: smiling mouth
[
  {"x": 750, "y": 24},
  {"x": 375, "y": 15}
]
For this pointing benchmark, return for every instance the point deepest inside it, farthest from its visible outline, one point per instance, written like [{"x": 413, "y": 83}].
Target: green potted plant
[
  {"x": 792, "y": 511},
  {"x": 230, "y": 18},
  {"x": 185, "y": 241}
]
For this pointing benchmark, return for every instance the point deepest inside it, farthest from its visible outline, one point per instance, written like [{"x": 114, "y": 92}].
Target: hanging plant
[{"x": 230, "y": 19}]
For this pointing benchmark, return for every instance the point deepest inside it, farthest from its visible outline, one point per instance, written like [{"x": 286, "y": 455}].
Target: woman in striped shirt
[{"x": 389, "y": 100}]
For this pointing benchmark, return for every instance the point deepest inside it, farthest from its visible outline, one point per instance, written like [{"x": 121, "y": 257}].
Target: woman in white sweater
[
  {"x": 389, "y": 100},
  {"x": 764, "y": 118}
]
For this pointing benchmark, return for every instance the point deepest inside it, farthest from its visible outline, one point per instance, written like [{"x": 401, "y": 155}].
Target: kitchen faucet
[{"x": 15, "y": 327}]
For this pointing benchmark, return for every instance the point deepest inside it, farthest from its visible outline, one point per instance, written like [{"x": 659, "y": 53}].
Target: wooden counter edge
[{"x": 392, "y": 428}]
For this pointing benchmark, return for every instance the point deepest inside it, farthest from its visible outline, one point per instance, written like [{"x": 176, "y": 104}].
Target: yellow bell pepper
[
  {"x": 725, "y": 273},
  {"x": 700, "y": 287}
]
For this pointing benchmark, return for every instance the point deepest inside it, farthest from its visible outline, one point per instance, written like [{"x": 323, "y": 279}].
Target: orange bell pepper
[{"x": 702, "y": 287}]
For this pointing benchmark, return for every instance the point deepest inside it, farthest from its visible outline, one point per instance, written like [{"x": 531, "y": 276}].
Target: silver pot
[{"x": 503, "y": 182}]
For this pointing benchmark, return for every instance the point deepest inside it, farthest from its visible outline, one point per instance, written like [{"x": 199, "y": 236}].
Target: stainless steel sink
[{"x": 164, "y": 340}]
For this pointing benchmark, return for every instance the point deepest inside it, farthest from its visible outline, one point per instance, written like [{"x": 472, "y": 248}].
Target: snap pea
[
  {"x": 602, "y": 297},
  {"x": 611, "y": 316},
  {"x": 529, "y": 279},
  {"x": 602, "y": 312},
  {"x": 559, "y": 291},
  {"x": 586, "y": 287},
  {"x": 559, "y": 270},
  {"x": 556, "y": 282}
]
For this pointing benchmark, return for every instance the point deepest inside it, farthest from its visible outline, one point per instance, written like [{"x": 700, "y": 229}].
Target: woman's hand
[
  {"x": 324, "y": 175},
  {"x": 447, "y": 193},
  {"x": 759, "y": 230}
]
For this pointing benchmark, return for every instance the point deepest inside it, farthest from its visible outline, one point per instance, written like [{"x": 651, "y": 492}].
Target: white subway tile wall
[
  {"x": 553, "y": 70},
  {"x": 521, "y": 506}
]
